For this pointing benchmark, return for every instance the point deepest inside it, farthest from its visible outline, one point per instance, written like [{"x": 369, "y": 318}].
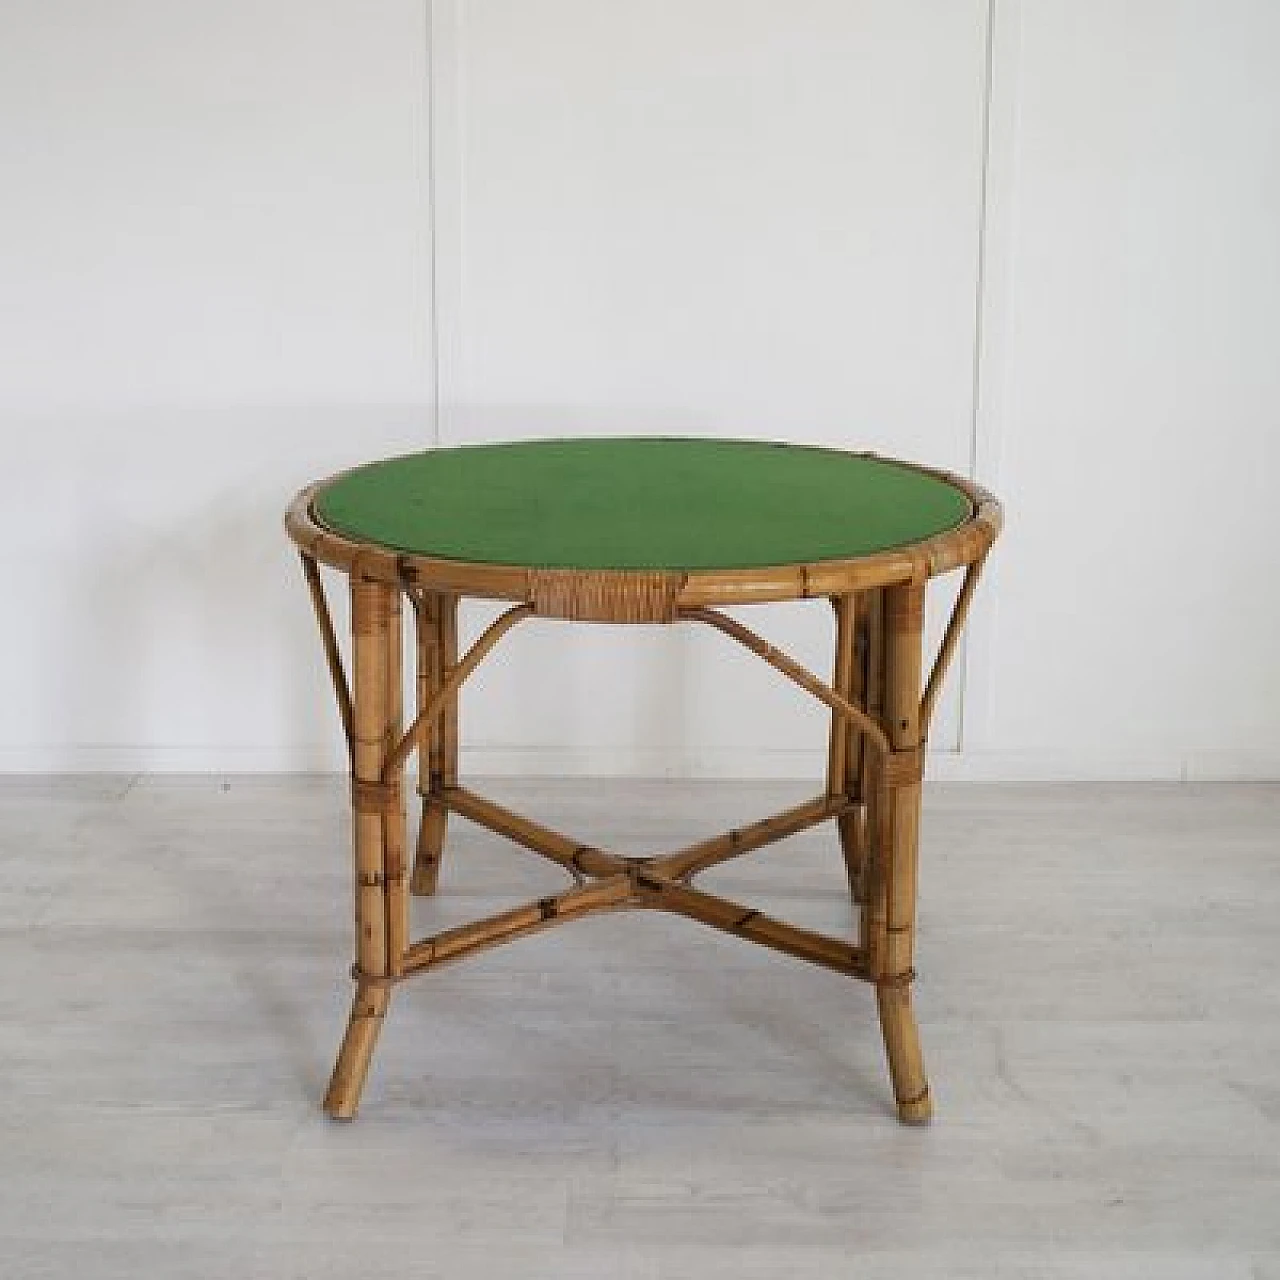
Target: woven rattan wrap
[{"x": 605, "y": 597}]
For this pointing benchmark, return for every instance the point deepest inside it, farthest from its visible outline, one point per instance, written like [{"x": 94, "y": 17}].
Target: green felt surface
[{"x": 639, "y": 503}]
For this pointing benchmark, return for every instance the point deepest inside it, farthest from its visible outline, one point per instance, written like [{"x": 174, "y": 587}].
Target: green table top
[{"x": 640, "y": 503}]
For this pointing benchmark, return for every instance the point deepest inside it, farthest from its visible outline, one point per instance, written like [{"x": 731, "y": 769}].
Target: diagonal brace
[
  {"x": 579, "y": 860},
  {"x": 684, "y": 864},
  {"x": 752, "y": 926},
  {"x": 520, "y": 922},
  {"x": 950, "y": 639},
  {"x": 332, "y": 654}
]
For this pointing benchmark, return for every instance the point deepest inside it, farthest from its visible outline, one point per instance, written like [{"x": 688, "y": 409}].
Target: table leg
[
  {"x": 845, "y": 759},
  {"x": 395, "y": 819},
  {"x": 436, "y": 625},
  {"x": 889, "y": 910},
  {"x": 372, "y": 605},
  {"x": 871, "y": 620}
]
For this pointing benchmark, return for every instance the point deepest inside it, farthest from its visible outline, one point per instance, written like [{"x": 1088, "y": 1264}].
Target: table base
[{"x": 875, "y": 768}]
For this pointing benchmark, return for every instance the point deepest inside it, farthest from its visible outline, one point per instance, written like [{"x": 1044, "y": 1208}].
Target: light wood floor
[{"x": 634, "y": 1095}]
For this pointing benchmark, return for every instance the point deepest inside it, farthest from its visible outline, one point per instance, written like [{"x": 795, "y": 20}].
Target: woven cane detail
[{"x": 604, "y": 597}]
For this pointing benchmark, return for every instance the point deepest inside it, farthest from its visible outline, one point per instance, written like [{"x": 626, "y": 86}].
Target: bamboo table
[{"x": 642, "y": 530}]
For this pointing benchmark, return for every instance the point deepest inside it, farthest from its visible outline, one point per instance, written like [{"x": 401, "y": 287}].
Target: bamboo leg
[
  {"x": 844, "y": 768},
  {"x": 889, "y": 916},
  {"x": 437, "y": 635},
  {"x": 449, "y": 718},
  {"x": 840, "y": 682},
  {"x": 370, "y": 616},
  {"x": 871, "y": 623},
  {"x": 367, "y": 1012},
  {"x": 395, "y": 834},
  {"x": 854, "y": 823}
]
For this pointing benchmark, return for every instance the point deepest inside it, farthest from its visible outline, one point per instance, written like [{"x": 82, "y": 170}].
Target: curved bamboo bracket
[
  {"x": 792, "y": 670},
  {"x": 332, "y": 654},
  {"x": 451, "y": 684}
]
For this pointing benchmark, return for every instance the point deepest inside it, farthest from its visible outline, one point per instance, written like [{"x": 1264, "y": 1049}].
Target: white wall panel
[
  {"x": 214, "y": 285},
  {"x": 1133, "y": 414}
]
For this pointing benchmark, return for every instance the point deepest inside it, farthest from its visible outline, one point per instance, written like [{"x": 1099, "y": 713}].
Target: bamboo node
[
  {"x": 904, "y": 610},
  {"x": 374, "y": 979},
  {"x": 904, "y": 767},
  {"x": 380, "y": 879},
  {"x": 904, "y": 979},
  {"x": 371, "y": 607},
  {"x": 375, "y": 797}
]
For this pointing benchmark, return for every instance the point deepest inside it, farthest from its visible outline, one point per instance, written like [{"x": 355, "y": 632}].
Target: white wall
[
  {"x": 1132, "y": 381},
  {"x": 214, "y": 282},
  {"x": 717, "y": 216}
]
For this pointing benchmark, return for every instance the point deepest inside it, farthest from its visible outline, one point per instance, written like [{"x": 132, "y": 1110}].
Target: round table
[{"x": 638, "y": 530}]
